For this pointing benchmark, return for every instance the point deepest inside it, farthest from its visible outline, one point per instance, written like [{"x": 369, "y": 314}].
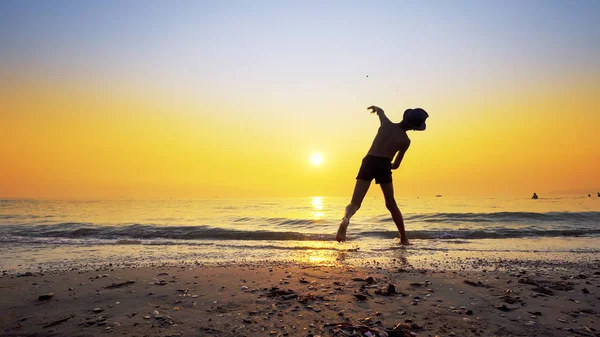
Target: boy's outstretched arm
[{"x": 379, "y": 111}]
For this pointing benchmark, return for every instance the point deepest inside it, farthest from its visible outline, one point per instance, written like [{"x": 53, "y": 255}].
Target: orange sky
[
  {"x": 232, "y": 100},
  {"x": 85, "y": 142}
]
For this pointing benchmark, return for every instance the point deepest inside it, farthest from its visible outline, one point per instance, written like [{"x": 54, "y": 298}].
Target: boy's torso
[{"x": 390, "y": 139}]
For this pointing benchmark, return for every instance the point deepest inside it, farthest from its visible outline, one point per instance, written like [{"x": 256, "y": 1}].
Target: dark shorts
[{"x": 378, "y": 168}]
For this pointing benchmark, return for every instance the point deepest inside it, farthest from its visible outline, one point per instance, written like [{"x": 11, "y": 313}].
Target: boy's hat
[{"x": 416, "y": 118}]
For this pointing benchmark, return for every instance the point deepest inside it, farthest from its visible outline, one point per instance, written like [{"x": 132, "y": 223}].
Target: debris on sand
[
  {"x": 305, "y": 299},
  {"x": 503, "y": 307},
  {"x": 512, "y": 300},
  {"x": 358, "y": 329},
  {"x": 163, "y": 320},
  {"x": 543, "y": 290},
  {"x": 365, "y": 327},
  {"x": 58, "y": 321},
  {"x": 119, "y": 285},
  {"x": 386, "y": 291},
  {"x": 360, "y": 297},
  {"x": 477, "y": 284},
  {"x": 368, "y": 280},
  {"x": 285, "y": 294},
  {"x": 560, "y": 286},
  {"x": 45, "y": 297}
]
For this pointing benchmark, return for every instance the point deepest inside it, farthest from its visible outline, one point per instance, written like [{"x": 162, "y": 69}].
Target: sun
[{"x": 316, "y": 159}]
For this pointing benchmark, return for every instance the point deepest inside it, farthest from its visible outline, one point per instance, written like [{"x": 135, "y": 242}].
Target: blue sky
[{"x": 273, "y": 38}]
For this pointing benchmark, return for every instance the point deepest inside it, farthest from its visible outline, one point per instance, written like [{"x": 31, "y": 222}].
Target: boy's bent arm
[{"x": 398, "y": 159}]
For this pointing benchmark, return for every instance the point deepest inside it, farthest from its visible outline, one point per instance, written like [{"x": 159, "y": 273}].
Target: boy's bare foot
[
  {"x": 404, "y": 242},
  {"x": 341, "y": 233}
]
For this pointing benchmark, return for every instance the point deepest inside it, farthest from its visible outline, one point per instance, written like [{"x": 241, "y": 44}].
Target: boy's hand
[{"x": 375, "y": 109}]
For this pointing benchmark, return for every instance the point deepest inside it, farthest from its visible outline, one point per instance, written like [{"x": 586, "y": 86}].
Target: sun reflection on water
[
  {"x": 317, "y": 204},
  {"x": 318, "y": 253},
  {"x": 319, "y": 259}
]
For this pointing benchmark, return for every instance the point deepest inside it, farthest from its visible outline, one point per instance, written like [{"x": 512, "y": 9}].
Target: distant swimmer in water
[
  {"x": 535, "y": 196},
  {"x": 391, "y": 140}
]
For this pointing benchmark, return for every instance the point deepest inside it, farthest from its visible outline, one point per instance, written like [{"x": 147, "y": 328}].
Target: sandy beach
[{"x": 301, "y": 300}]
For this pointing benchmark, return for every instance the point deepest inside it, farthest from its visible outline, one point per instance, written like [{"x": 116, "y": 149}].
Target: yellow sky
[
  {"x": 84, "y": 140},
  {"x": 145, "y": 99}
]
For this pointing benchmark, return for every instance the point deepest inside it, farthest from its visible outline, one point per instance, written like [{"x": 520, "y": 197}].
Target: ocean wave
[
  {"x": 496, "y": 233},
  {"x": 280, "y": 221},
  {"x": 148, "y": 231},
  {"x": 133, "y": 232},
  {"x": 24, "y": 216},
  {"x": 590, "y": 217},
  {"x": 507, "y": 217}
]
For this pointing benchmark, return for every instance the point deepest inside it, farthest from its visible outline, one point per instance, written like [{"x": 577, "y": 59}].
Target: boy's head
[{"x": 415, "y": 118}]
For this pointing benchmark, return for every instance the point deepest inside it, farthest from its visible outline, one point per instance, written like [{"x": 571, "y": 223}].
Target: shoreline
[
  {"x": 295, "y": 299},
  {"x": 18, "y": 258}
]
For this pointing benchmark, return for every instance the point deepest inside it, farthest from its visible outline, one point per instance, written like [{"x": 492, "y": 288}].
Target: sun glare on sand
[{"x": 316, "y": 159}]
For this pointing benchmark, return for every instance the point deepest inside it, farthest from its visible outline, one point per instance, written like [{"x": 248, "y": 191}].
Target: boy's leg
[
  {"x": 390, "y": 204},
  {"x": 360, "y": 190}
]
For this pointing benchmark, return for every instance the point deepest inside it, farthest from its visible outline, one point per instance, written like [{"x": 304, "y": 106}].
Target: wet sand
[{"x": 301, "y": 300}]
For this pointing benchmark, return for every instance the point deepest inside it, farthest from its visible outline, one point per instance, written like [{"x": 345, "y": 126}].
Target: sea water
[{"x": 66, "y": 233}]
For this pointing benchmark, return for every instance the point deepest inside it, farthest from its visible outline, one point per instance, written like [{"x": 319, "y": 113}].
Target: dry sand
[{"x": 296, "y": 300}]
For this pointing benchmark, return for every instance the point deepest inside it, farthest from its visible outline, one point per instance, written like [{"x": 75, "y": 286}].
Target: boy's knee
[
  {"x": 391, "y": 205},
  {"x": 355, "y": 204}
]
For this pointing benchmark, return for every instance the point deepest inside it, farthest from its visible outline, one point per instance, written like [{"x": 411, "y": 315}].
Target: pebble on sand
[{"x": 45, "y": 297}]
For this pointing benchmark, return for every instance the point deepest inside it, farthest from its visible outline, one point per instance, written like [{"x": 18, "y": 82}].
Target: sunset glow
[{"x": 203, "y": 100}]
